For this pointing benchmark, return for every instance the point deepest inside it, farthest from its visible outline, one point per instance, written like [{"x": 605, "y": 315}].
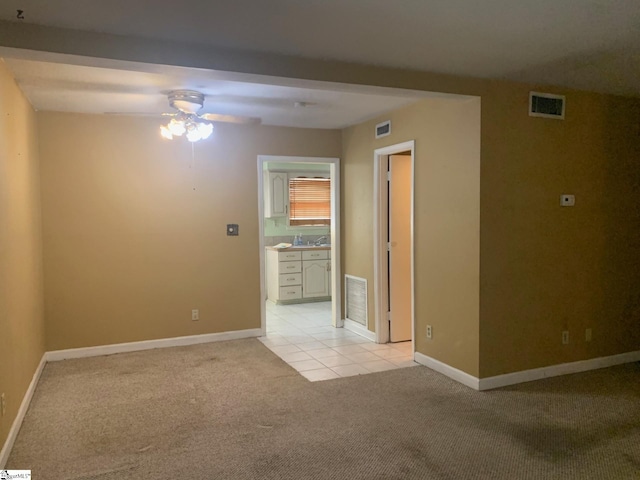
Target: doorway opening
[
  {"x": 301, "y": 329},
  {"x": 315, "y": 261},
  {"x": 394, "y": 243}
]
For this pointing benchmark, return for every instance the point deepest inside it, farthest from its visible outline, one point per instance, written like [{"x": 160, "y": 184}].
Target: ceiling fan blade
[
  {"x": 141, "y": 114},
  {"x": 218, "y": 117}
]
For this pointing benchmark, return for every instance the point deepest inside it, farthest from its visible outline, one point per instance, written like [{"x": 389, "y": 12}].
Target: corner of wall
[{"x": 22, "y": 332}]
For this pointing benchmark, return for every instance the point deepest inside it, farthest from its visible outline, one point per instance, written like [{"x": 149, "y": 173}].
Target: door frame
[
  {"x": 334, "y": 169},
  {"x": 380, "y": 220}
]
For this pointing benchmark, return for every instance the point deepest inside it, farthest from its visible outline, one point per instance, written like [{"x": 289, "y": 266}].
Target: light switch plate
[{"x": 567, "y": 200}]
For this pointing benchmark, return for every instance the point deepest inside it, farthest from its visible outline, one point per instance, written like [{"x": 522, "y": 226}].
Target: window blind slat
[{"x": 309, "y": 201}]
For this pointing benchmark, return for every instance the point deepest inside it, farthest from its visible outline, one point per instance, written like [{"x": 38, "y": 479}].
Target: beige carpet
[{"x": 233, "y": 410}]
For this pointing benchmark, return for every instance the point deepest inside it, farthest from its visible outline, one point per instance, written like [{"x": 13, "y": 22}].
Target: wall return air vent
[
  {"x": 546, "y": 105},
  {"x": 356, "y": 299}
]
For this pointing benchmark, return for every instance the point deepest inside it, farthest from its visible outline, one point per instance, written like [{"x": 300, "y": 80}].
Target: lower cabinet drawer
[
  {"x": 289, "y": 256},
  {"x": 315, "y": 254},
  {"x": 290, "y": 267},
  {"x": 291, "y": 293},
  {"x": 290, "y": 279}
]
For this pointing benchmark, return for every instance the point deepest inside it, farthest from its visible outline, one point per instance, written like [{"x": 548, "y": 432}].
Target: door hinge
[
  {"x": 389, "y": 176},
  {"x": 388, "y": 246},
  {"x": 389, "y": 316}
]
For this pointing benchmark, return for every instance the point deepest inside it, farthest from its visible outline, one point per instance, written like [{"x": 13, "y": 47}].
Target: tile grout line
[{"x": 286, "y": 338}]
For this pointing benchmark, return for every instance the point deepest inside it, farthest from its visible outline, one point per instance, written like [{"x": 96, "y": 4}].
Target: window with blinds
[{"x": 309, "y": 201}]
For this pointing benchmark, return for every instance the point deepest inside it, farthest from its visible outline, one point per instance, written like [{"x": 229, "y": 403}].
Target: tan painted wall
[
  {"x": 21, "y": 316},
  {"x": 447, "y": 220},
  {"x": 525, "y": 162},
  {"x": 134, "y": 234},
  {"x": 546, "y": 268}
]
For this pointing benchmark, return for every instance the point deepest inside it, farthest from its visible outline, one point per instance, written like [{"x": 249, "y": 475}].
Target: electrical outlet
[
  {"x": 3, "y": 404},
  {"x": 429, "y": 331},
  {"x": 587, "y": 335},
  {"x": 565, "y": 337},
  {"x": 195, "y": 314}
]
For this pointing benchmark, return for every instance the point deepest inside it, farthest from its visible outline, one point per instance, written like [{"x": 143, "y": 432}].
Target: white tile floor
[{"x": 303, "y": 337}]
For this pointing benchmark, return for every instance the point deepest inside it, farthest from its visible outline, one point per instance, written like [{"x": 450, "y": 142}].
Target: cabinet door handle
[
  {"x": 286, "y": 209},
  {"x": 328, "y": 266}
]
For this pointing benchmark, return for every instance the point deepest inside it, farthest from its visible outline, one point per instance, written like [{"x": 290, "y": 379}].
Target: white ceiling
[
  {"x": 115, "y": 87},
  {"x": 584, "y": 44}
]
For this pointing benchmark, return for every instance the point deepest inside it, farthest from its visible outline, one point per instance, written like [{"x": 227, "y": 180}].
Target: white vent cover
[
  {"x": 356, "y": 299},
  {"x": 546, "y": 105},
  {"x": 383, "y": 129}
]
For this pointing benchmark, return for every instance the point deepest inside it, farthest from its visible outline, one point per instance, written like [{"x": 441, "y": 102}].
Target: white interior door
[{"x": 400, "y": 247}]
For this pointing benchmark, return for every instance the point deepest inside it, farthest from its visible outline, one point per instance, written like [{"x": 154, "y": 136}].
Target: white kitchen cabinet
[
  {"x": 297, "y": 276},
  {"x": 284, "y": 275},
  {"x": 292, "y": 292},
  {"x": 276, "y": 194},
  {"x": 315, "y": 278},
  {"x": 314, "y": 254}
]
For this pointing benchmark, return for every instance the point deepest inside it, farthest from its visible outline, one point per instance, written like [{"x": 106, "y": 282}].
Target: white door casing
[
  {"x": 380, "y": 260},
  {"x": 335, "y": 270}
]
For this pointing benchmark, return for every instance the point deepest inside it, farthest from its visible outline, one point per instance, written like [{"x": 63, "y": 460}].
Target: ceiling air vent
[
  {"x": 546, "y": 105},
  {"x": 383, "y": 129}
]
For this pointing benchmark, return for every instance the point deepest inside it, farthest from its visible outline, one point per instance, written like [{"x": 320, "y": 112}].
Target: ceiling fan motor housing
[{"x": 187, "y": 101}]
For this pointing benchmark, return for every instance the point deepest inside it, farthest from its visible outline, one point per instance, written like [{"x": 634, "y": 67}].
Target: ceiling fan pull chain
[{"x": 193, "y": 164}]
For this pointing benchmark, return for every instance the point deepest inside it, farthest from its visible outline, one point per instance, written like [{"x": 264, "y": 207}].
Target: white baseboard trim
[
  {"x": 514, "y": 378},
  {"x": 355, "y": 327},
  {"x": 557, "y": 370},
  {"x": 22, "y": 411},
  {"x": 57, "y": 355},
  {"x": 449, "y": 371}
]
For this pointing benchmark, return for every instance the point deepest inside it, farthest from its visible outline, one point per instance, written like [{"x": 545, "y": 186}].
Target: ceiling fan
[{"x": 186, "y": 121}]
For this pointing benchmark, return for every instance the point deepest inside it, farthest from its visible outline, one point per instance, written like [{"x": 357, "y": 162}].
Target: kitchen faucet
[{"x": 318, "y": 241}]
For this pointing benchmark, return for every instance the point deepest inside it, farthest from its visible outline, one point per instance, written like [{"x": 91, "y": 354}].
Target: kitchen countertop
[{"x": 300, "y": 248}]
